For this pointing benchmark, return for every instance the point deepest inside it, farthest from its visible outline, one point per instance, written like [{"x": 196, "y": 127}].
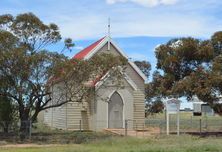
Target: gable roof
[
  {"x": 84, "y": 52},
  {"x": 89, "y": 51}
]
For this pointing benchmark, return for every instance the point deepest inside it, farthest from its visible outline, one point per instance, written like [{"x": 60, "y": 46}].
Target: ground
[
  {"x": 174, "y": 143},
  {"x": 153, "y": 140}
]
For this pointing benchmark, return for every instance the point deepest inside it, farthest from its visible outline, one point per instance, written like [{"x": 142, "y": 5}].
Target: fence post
[
  {"x": 30, "y": 129},
  {"x": 160, "y": 126},
  {"x": 126, "y": 126},
  {"x": 191, "y": 121},
  {"x": 200, "y": 127},
  {"x": 178, "y": 124},
  {"x": 143, "y": 129},
  {"x": 136, "y": 128},
  {"x": 167, "y": 124},
  {"x": 80, "y": 125}
]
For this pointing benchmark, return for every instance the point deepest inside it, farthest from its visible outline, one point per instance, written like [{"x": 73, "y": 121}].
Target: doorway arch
[{"x": 115, "y": 111}]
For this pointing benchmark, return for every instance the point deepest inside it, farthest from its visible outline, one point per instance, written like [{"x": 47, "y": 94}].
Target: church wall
[
  {"x": 68, "y": 115},
  {"x": 103, "y": 94},
  {"x": 129, "y": 70},
  {"x": 138, "y": 95}
]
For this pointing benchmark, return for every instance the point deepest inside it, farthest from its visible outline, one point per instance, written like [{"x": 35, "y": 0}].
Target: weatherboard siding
[
  {"x": 78, "y": 113},
  {"x": 139, "y": 109},
  {"x": 137, "y": 79},
  {"x": 48, "y": 117},
  {"x": 112, "y": 50},
  {"x": 67, "y": 116}
]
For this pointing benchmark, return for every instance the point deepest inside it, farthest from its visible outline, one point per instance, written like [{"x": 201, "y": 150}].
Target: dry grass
[{"x": 155, "y": 144}]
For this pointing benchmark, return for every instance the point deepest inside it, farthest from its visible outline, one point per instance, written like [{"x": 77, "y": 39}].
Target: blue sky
[
  {"x": 138, "y": 26},
  {"x": 87, "y": 19}
]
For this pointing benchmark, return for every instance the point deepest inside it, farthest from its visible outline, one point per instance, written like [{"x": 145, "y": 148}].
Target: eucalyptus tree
[
  {"x": 28, "y": 71},
  {"x": 190, "y": 67}
]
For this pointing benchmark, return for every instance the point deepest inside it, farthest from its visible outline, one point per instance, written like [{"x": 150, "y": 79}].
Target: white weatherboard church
[{"x": 123, "y": 104}]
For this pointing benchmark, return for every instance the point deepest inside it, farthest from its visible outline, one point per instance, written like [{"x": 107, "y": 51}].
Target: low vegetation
[
  {"x": 44, "y": 135},
  {"x": 188, "y": 122},
  {"x": 121, "y": 144}
]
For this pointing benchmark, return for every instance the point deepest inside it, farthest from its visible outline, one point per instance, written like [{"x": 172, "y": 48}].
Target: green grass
[
  {"x": 152, "y": 144},
  {"x": 41, "y": 134},
  {"x": 188, "y": 122}
]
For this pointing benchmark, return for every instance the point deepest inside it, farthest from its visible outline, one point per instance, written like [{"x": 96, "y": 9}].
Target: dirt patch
[
  {"x": 135, "y": 133},
  {"x": 26, "y": 145},
  {"x": 205, "y": 134}
]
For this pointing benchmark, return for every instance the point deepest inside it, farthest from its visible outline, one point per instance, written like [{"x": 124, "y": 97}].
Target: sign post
[{"x": 172, "y": 107}]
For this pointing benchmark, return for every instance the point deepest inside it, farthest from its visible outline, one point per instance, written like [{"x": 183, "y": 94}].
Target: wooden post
[
  {"x": 178, "y": 124},
  {"x": 191, "y": 121},
  {"x": 167, "y": 124},
  {"x": 200, "y": 127},
  {"x": 126, "y": 126},
  {"x": 30, "y": 129},
  {"x": 80, "y": 125},
  {"x": 136, "y": 128},
  {"x": 143, "y": 129}
]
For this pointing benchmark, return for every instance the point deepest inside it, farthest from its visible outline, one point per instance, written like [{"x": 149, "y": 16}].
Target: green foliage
[
  {"x": 68, "y": 44},
  {"x": 154, "y": 106},
  {"x": 153, "y": 103},
  {"x": 7, "y": 113},
  {"x": 191, "y": 67},
  {"x": 6, "y": 109},
  {"x": 29, "y": 72},
  {"x": 144, "y": 66},
  {"x": 216, "y": 40}
]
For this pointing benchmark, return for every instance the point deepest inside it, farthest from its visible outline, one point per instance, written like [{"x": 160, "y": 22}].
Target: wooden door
[{"x": 115, "y": 112}]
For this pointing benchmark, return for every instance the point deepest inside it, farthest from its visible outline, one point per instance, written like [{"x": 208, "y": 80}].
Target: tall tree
[
  {"x": 192, "y": 67},
  {"x": 28, "y": 70}
]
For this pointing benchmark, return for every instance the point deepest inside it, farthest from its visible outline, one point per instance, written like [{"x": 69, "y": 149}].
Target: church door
[{"x": 115, "y": 112}]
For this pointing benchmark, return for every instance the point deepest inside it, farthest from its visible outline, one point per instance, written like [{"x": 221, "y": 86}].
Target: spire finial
[
  {"x": 109, "y": 27},
  {"x": 109, "y": 34}
]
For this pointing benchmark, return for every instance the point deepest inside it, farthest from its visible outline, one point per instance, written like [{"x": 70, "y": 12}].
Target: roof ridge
[
  {"x": 89, "y": 51},
  {"x": 81, "y": 54}
]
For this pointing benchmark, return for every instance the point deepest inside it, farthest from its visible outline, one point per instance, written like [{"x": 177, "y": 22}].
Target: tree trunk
[
  {"x": 35, "y": 115},
  {"x": 24, "y": 129},
  {"x": 6, "y": 127},
  {"x": 24, "y": 124},
  {"x": 218, "y": 108}
]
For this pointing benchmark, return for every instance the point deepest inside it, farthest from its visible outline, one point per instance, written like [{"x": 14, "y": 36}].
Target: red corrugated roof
[{"x": 85, "y": 51}]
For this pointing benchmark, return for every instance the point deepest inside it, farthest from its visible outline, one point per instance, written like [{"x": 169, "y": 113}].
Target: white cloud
[
  {"x": 87, "y": 26},
  {"x": 138, "y": 24},
  {"x": 166, "y": 25},
  {"x": 137, "y": 56},
  {"x": 115, "y": 1},
  {"x": 168, "y": 2},
  {"x": 146, "y": 3},
  {"x": 78, "y": 47},
  {"x": 182, "y": 18}
]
